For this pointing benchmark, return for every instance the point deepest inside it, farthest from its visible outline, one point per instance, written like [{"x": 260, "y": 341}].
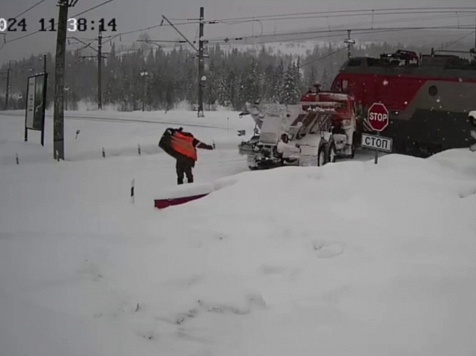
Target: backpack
[{"x": 165, "y": 144}]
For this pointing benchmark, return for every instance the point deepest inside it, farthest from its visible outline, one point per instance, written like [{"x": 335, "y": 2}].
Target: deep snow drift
[{"x": 348, "y": 259}]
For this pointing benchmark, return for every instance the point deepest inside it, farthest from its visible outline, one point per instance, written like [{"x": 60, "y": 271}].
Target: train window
[
  {"x": 433, "y": 90},
  {"x": 342, "y": 105},
  {"x": 345, "y": 85},
  {"x": 338, "y": 85}
]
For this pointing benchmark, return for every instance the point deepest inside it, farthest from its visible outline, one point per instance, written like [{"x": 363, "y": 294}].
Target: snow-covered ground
[{"x": 348, "y": 259}]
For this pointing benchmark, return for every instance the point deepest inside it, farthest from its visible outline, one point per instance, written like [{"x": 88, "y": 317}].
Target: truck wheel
[
  {"x": 332, "y": 155},
  {"x": 322, "y": 155}
]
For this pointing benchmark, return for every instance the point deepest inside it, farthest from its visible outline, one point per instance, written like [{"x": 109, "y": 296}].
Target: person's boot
[
  {"x": 190, "y": 180},
  {"x": 179, "y": 181}
]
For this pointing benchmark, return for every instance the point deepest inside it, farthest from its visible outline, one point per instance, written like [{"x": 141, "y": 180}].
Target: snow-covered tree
[
  {"x": 278, "y": 83},
  {"x": 291, "y": 91}
]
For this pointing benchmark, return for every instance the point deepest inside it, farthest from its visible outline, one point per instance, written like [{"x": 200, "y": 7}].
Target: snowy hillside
[{"x": 347, "y": 259}]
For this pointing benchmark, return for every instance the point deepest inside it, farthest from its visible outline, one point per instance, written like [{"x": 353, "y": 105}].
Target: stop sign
[{"x": 378, "y": 117}]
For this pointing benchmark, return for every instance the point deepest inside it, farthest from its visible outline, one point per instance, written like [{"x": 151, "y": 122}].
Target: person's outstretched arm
[{"x": 199, "y": 144}]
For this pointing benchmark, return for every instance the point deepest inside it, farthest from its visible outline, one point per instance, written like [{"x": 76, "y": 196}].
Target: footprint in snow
[
  {"x": 179, "y": 318},
  {"x": 254, "y": 301},
  {"x": 326, "y": 249}
]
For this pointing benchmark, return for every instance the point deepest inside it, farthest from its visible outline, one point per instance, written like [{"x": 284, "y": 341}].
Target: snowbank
[
  {"x": 347, "y": 259},
  {"x": 186, "y": 190}
]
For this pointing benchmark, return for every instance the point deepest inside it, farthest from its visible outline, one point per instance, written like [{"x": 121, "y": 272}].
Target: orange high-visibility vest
[{"x": 184, "y": 144}]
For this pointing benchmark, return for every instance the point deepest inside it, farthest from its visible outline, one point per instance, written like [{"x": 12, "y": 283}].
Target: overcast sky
[{"x": 136, "y": 14}]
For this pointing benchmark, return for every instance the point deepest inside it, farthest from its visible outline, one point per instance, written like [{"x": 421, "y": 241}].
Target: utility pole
[
  {"x": 99, "y": 57},
  {"x": 44, "y": 64},
  {"x": 349, "y": 43},
  {"x": 201, "y": 64},
  {"x": 7, "y": 92},
  {"x": 66, "y": 90},
  {"x": 58, "y": 118},
  {"x": 144, "y": 75},
  {"x": 201, "y": 69},
  {"x": 99, "y": 70}
]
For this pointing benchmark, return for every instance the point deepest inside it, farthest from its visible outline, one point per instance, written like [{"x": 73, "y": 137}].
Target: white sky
[{"x": 132, "y": 15}]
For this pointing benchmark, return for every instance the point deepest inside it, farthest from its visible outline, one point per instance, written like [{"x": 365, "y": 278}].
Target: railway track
[{"x": 112, "y": 119}]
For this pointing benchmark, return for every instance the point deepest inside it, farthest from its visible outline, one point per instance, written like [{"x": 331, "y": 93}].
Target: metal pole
[
  {"x": 349, "y": 54},
  {"x": 144, "y": 89},
  {"x": 7, "y": 93},
  {"x": 45, "y": 85},
  {"x": 99, "y": 70},
  {"x": 26, "y": 111},
  {"x": 143, "y": 99},
  {"x": 44, "y": 64},
  {"x": 66, "y": 98},
  {"x": 58, "y": 124},
  {"x": 201, "y": 68},
  {"x": 376, "y": 151},
  {"x": 180, "y": 33}
]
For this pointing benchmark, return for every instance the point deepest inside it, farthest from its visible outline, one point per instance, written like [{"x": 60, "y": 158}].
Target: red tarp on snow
[{"x": 182, "y": 194}]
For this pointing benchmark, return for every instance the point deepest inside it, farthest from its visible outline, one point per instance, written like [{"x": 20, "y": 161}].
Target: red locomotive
[{"x": 429, "y": 97}]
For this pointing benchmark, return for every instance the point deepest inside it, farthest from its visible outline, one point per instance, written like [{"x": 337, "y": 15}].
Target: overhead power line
[
  {"x": 458, "y": 40},
  {"x": 162, "y": 24},
  {"x": 322, "y": 31},
  {"x": 133, "y": 31},
  {"x": 81, "y": 13},
  {"x": 362, "y": 11},
  {"x": 347, "y": 26},
  {"x": 309, "y": 35},
  {"x": 30, "y": 8},
  {"x": 323, "y": 57},
  {"x": 320, "y": 15},
  {"x": 86, "y": 45},
  {"x": 93, "y": 8}
]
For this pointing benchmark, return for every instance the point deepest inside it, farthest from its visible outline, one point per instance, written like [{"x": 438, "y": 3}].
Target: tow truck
[{"x": 324, "y": 126}]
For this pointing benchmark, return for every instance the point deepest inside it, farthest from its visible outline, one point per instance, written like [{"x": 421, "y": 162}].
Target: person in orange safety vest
[{"x": 186, "y": 145}]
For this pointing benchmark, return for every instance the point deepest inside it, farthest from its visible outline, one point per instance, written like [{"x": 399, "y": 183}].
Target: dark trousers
[{"x": 184, "y": 167}]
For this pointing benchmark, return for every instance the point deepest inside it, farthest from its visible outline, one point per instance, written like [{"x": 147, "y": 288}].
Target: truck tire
[{"x": 322, "y": 155}]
